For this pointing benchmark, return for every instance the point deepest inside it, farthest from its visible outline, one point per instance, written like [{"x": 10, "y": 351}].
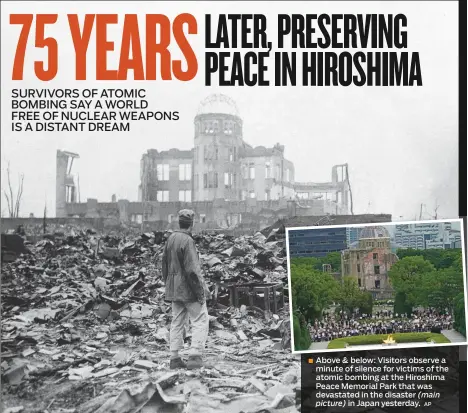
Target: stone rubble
[{"x": 85, "y": 328}]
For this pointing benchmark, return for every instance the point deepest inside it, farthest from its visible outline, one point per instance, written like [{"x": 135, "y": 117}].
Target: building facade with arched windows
[
  {"x": 369, "y": 260},
  {"x": 222, "y": 165}
]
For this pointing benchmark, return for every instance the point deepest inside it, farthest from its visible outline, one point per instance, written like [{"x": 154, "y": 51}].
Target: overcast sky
[{"x": 401, "y": 144}]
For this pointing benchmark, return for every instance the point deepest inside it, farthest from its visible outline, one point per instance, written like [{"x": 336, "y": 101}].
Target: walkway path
[
  {"x": 320, "y": 345},
  {"x": 454, "y": 336}
]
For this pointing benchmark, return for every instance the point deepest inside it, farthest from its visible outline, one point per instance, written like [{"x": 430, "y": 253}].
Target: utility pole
[
  {"x": 420, "y": 212},
  {"x": 44, "y": 225},
  {"x": 79, "y": 194}
]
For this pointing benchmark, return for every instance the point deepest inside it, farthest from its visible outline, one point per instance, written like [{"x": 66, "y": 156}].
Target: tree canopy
[
  {"x": 314, "y": 290},
  {"x": 302, "y": 338},
  {"x": 460, "y": 320},
  {"x": 316, "y": 263},
  {"x": 407, "y": 274},
  {"x": 427, "y": 278},
  {"x": 440, "y": 258},
  {"x": 350, "y": 295}
]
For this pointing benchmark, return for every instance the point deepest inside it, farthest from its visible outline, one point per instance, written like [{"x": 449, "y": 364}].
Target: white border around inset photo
[{"x": 375, "y": 347}]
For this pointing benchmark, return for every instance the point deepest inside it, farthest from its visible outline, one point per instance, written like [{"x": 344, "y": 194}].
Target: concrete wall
[
  {"x": 215, "y": 212},
  {"x": 155, "y": 211},
  {"x": 302, "y": 221},
  {"x": 219, "y": 213},
  {"x": 36, "y": 224},
  {"x": 250, "y": 222}
]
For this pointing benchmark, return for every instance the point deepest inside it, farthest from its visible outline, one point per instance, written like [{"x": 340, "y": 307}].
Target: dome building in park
[{"x": 369, "y": 260}]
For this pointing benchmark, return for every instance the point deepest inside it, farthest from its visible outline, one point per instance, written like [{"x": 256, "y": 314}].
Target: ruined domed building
[
  {"x": 225, "y": 180},
  {"x": 223, "y": 167},
  {"x": 369, "y": 259},
  {"x": 220, "y": 166}
]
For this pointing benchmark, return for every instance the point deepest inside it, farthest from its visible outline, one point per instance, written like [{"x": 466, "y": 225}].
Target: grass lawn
[{"x": 378, "y": 338}]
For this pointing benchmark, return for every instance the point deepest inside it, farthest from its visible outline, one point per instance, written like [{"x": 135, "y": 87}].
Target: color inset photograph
[{"x": 377, "y": 286}]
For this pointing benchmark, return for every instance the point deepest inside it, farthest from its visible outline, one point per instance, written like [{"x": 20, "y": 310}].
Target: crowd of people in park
[{"x": 340, "y": 324}]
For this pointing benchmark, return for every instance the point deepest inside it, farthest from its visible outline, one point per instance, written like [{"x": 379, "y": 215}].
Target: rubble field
[{"x": 85, "y": 327}]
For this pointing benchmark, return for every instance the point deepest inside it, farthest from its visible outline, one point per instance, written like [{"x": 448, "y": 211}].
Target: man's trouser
[{"x": 198, "y": 315}]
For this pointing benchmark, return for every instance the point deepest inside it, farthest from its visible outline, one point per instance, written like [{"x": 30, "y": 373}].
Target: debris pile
[
  {"x": 243, "y": 259},
  {"x": 85, "y": 328}
]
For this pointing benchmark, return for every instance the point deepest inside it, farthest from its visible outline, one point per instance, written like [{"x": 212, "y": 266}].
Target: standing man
[{"x": 186, "y": 290}]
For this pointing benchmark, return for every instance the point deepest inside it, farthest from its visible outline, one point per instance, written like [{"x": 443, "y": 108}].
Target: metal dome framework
[
  {"x": 374, "y": 232},
  {"x": 218, "y": 103}
]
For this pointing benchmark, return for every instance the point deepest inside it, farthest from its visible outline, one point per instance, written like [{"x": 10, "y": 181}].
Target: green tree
[
  {"x": 302, "y": 338},
  {"x": 312, "y": 291},
  {"x": 459, "y": 313},
  {"x": 401, "y": 306},
  {"x": 440, "y": 258},
  {"x": 440, "y": 288},
  {"x": 350, "y": 296},
  {"x": 314, "y": 263},
  {"x": 307, "y": 263},
  {"x": 406, "y": 277},
  {"x": 333, "y": 258},
  {"x": 458, "y": 262},
  {"x": 366, "y": 303}
]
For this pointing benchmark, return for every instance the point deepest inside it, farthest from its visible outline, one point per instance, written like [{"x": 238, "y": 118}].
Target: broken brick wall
[{"x": 9, "y": 224}]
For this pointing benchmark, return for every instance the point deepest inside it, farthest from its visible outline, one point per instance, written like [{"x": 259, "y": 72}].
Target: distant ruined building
[
  {"x": 65, "y": 187},
  {"x": 226, "y": 181}
]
